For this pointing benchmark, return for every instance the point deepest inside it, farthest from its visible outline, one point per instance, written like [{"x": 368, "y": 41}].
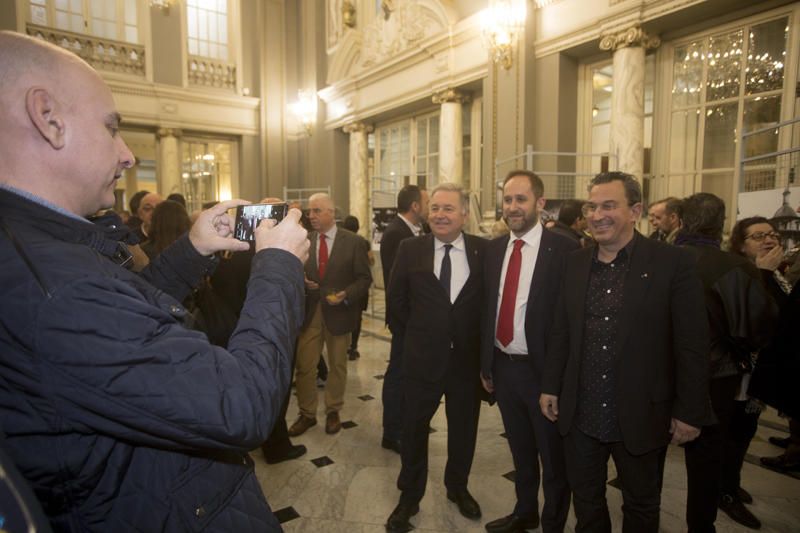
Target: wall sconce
[
  {"x": 500, "y": 26},
  {"x": 163, "y": 5},
  {"x": 305, "y": 109}
]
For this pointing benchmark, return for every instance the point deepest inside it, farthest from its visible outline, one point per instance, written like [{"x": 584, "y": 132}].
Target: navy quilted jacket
[{"x": 122, "y": 418}]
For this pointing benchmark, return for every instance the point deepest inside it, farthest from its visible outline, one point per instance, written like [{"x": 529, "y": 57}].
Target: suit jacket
[
  {"x": 347, "y": 270},
  {"x": 663, "y": 339},
  {"x": 397, "y": 230},
  {"x": 542, "y": 297},
  {"x": 436, "y": 330}
]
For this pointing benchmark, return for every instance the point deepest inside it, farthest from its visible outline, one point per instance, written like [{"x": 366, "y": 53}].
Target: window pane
[
  {"x": 77, "y": 23},
  {"x": 131, "y": 34},
  {"x": 98, "y": 8},
  {"x": 191, "y": 23},
  {"x": 193, "y": 47},
  {"x": 39, "y": 15},
  {"x": 766, "y": 56},
  {"x": 203, "y": 48},
  {"x": 76, "y": 6},
  {"x": 422, "y": 137},
  {"x": 719, "y": 184},
  {"x": 202, "y": 25},
  {"x": 760, "y": 113},
  {"x": 130, "y": 12},
  {"x": 724, "y": 66},
  {"x": 223, "y": 52},
  {"x": 683, "y": 140},
  {"x": 62, "y": 21},
  {"x": 433, "y": 140},
  {"x": 687, "y": 74},
  {"x": 718, "y": 143}
]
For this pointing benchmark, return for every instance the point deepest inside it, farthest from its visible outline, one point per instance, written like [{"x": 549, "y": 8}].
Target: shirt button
[
  {"x": 605, "y": 347},
  {"x": 174, "y": 309},
  {"x": 612, "y": 265},
  {"x": 604, "y": 404},
  {"x": 604, "y": 376},
  {"x": 606, "y": 318},
  {"x": 609, "y": 291}
]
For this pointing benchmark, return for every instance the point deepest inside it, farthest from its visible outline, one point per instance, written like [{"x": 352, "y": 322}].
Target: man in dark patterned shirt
[{"x": 627, "y": 365}]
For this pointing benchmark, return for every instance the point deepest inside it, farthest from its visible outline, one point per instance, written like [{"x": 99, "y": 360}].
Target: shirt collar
[
  {"x": 417, "y": 230},
  {"x": 531, "y": 237},
  {"x": 41, "y": 201},
  {"x": 624, "y": 253},
  {"x": 331, "y": 233},
  {"x": 458, "y": 243}
]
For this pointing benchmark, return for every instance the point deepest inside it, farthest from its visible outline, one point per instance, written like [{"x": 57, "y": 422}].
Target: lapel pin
[{"x": 644, "y": 275}]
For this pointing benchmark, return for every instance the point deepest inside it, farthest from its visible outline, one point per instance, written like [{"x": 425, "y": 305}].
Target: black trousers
[
  {"x": 706, "y": 458},
  {"x": 741, "y": 431},
  {"x": 640, "y": 475},
  {"x": 392, "y": 394},
  {"x": 462, "y": 407},
  {"x": 531, "y": 437}
]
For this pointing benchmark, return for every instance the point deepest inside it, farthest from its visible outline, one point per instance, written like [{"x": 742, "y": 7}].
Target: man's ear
[{"x": 44, "y": 115}]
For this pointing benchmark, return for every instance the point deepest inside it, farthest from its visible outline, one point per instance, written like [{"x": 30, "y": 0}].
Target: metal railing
[{"x": 774, "y": 169}]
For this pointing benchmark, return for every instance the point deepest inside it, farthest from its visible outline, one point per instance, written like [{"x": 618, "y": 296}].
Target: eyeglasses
[
  {"x": 761, "y": 235},
  {"x": 606, "y": 207}
]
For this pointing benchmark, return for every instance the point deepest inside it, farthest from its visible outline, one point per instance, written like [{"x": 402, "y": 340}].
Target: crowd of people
[{"x": 144, "y": 358}]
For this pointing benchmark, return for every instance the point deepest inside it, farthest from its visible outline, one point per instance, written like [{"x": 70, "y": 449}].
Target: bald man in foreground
[{"x": 120, "y": 416}]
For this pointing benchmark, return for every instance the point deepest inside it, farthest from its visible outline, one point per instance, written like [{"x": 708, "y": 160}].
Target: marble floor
[{"x": 346, "y": 482}]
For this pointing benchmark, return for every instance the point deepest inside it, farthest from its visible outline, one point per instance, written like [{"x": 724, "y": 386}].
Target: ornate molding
[
  {"x": 168, "y": 132},
  {"x": 358, "y": 127},
  {"x": 451, "y": 95},
  {"x": 630, "y": 37}
]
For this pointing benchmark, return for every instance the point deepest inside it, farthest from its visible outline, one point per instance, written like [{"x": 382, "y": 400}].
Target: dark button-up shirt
[{"x": 597, "y": 398}]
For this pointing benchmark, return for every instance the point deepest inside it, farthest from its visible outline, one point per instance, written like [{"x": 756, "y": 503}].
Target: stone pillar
[
  {"x": 360, "y": 188},
  {"x": 451, "y": 165},
  {"x": 627, "y": 98},
  {"x": 168, "y": 166}
]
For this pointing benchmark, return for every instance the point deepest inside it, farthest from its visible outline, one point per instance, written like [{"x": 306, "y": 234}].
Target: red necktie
[
  {"x": 323, "y": 255},
  {"x": 505, "y": 321}
]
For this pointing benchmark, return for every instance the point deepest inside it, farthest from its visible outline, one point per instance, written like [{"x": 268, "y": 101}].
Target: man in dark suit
[
  {"x": 436, "y": 292},
  {"x": 627, "y": 366},
  {"x": 337, "y": 280},
  {"x": 412, "y": 210},
  {"x": 522, "y": 275}
]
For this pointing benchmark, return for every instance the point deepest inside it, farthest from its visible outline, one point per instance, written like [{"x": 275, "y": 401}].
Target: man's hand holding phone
[{"x": 287, "y": 235}]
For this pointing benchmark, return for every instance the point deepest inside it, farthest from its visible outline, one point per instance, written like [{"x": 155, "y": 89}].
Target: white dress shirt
[
  {"x": 530, "y": 252},
  {"x": 458, "y": 261},
  {"x": 330, "y": 235},
  {"x": 416, "y": 230}
]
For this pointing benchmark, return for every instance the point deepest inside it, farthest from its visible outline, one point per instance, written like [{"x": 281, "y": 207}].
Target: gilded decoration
[{"x": 633, "y": 36}]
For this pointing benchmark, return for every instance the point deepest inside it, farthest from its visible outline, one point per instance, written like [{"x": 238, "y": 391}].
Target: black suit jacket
[
  {"x": 542, "y": 297},
  {"x": 663, "y": 339},
  {"x": 348, "y": 270},
  {"x": 434, "y": 329},
  {"x": 396, "y": 231}
]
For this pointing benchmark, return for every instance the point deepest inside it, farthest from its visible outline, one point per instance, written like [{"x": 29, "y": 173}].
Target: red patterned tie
[
  {"x": 323, "y": 255},
  {"x": 505, "y": 321}
]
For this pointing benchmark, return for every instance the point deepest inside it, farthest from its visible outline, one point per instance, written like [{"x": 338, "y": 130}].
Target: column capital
[
  {"x": 629, "y": 37},
  {"x": 356, "y": 127},
  {"x": 451, "y": 95},
  {"x": 168, "y": 132}
]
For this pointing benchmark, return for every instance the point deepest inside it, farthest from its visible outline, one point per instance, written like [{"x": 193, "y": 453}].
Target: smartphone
[{"x": 249, "y": 216}]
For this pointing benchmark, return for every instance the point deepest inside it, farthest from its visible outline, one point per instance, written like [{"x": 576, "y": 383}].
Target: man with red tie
[
  {"x": 337, "y": 278},
  {"x": 522, "y": 274}
]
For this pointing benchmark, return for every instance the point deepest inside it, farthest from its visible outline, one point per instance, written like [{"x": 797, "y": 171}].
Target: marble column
[
  {"x": 168, "y": 166},
  {"x": 627, "y": 98},
  {"x": 360, "y": 187},
  {"x": 451, "y": 165}
]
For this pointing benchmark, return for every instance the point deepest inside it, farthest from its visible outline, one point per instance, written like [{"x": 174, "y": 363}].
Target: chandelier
[
  {"x": 305, "y": 109},
  {"x": 501, "y": 24}
]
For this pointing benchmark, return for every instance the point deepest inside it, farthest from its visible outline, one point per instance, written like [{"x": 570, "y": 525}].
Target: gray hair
[
  {"x": 324, "y": 198},
  {"x": 448, "y": 186}
]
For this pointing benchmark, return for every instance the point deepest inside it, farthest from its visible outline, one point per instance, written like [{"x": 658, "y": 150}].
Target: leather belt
[{"x": 512, "y": 356}]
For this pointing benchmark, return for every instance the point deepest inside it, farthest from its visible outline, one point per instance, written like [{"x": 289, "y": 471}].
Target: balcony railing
[
  {"x": 102, "y": 54},
  {"x": 206, "y": 72}
]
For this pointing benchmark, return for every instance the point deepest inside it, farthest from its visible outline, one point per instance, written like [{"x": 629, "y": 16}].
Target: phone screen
[{"x": 248, "y": 217}]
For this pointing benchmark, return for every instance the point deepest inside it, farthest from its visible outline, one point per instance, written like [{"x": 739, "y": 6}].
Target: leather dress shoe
[
  {"x": 332, "y": 423},
  {"x": 352, "y": 355},
  {"x": 391, "y": 444},
  {"x": 398, "y": 520},
  {"x": 467, "y": 505},
  {"x": 782, "y": 463},
  {"x": 301, "y": 425},
  {"x": 293, "y": 452},
  {"x": 735, "y": 509},
  {"x": 512, "y": 524}
]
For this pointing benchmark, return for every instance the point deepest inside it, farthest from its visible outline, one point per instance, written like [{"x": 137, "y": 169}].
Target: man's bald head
[{"x": 60, "y": 126}]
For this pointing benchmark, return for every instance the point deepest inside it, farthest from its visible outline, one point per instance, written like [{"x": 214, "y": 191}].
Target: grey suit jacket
[{"x": 348, "y": 270}]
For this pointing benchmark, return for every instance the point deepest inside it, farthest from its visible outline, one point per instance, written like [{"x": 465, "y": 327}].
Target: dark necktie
[
  {"x": 323, "y": 255},
  {"x": 505, "y": 320},
  {"x": 446, "y": 272}
]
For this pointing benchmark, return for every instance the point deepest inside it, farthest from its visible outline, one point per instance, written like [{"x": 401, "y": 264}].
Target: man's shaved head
[{"x": 60, "y": 126}]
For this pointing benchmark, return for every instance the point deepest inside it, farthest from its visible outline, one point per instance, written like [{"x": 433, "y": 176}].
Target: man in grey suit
[{"x": 337, "y": 279}]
